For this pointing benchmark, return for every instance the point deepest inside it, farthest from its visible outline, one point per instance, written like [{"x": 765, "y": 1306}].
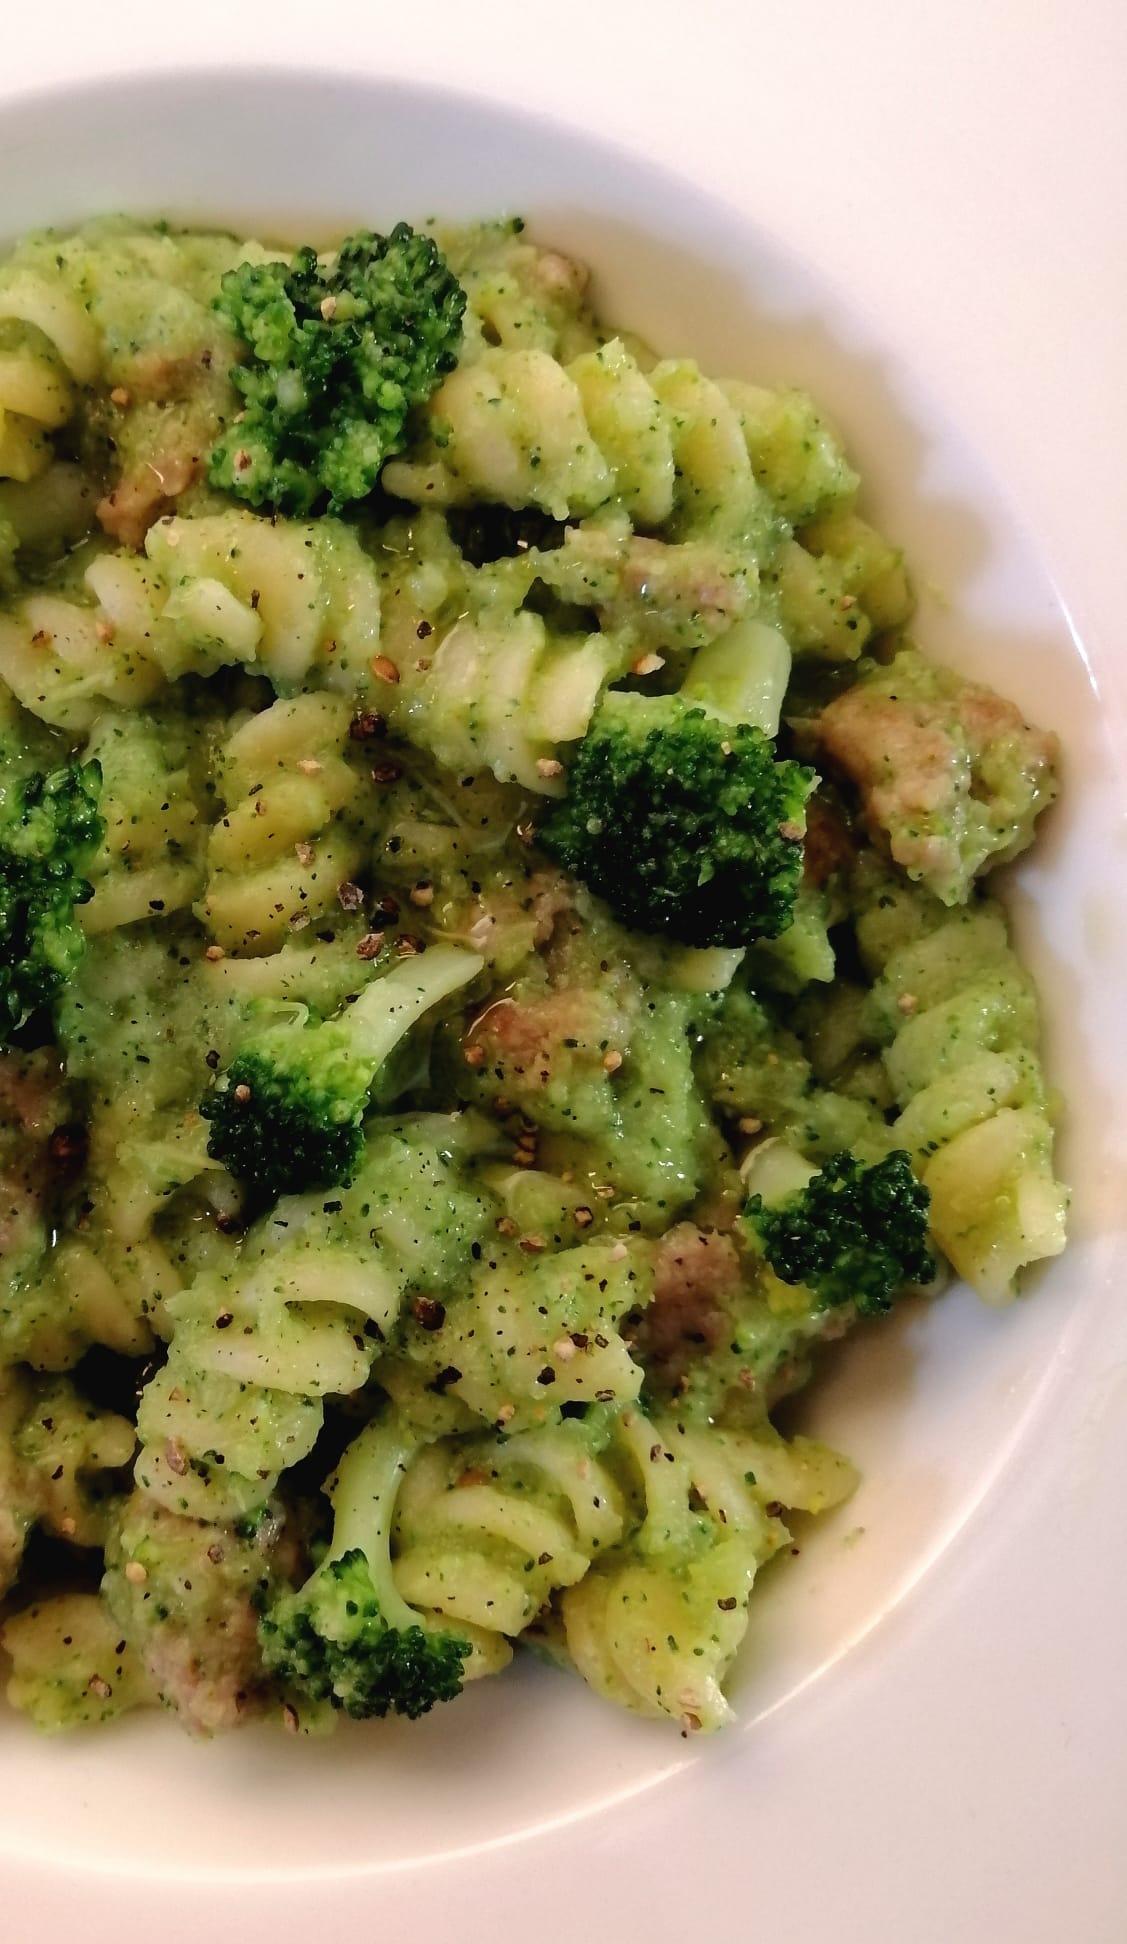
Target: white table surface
[{"x": 997, "y": 131}]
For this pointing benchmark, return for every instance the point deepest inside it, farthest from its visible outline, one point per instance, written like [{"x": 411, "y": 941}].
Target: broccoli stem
[
  {"x": 363, "y": 1494},
  {"x": 775, "y": 1171},
  {"x": 390, "y": 1006},
  {"x": 289, "y": 1111},
  {"x": 742, "y": 676}
]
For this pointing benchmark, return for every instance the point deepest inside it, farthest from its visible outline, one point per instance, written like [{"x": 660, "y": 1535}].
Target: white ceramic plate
[{"x": 529, "y": 1799}]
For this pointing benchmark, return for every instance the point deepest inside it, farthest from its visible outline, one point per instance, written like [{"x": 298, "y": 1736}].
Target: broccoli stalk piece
[
  {"x": 847, "y": 1232},
  {"x": 49, "y": 830},
  {"x": 287, "y": 1113},
  {"x": 341, "y": 348},
  {"x": 677, "y": 812},
  {"x": 347, "y": 1636}
]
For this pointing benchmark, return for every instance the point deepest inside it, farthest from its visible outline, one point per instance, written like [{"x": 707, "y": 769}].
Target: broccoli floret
[
  {"x": 347, "y": 1636},
  {"x": 287, "y": 1113},
  {"x": 683, "y": 824},
  {"x": 340, "y": 350},
  {"x": 49, "y": 830},
  {"x": 677, "y": 812},
  {"x": 849, "y": 1233}
]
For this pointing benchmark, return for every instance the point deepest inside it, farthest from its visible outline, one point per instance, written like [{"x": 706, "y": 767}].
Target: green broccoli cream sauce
[{"x": 496, "y": 975}]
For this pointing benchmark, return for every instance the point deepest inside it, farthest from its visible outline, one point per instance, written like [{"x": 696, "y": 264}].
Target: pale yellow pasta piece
[
  {"x": 995, "y": 1205},
  {"x": 486, "y": 1532},
  {"x": 870, "y": 567},
  {"x": 630, "y": 427},
  {"x": 150, "y": 861},
  {"x": 57, "y": 506},
  {"x": 716, "y": 491},
  {"x": 45, "y": 301},
  {"x": 796, "y": 456},
  {"x": 278, "y": 856},
  {"x": 33, "y": 381},
  {"x": 65, "y": 666},
  {"x": 510, "y": 428},
  {"x": 67, "y": 1442},
  {"x": 302, "y": 598},
  {"x": 817, "y": 611},
  {"x": 69, "y": 1664},
  {"x": 24, "y": 452},
  {"x": 214, "y": 1447}
]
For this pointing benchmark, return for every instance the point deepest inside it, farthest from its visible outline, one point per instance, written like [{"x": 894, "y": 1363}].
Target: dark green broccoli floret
[
  {"x": 347, "y": 1636},
  {"x": 685, "y": 823},
  {"x": 287, "y": 1113},
  {"x": 852, "y": 1234},
  {"x": 49, "y": 829},
  {"x": 341, "y": 348}
]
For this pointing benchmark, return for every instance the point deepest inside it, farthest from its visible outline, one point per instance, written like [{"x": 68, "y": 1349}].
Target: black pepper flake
[
  {"x": 445, "y": 1378},
  {"x": 547, "y": 1375},
  {"x": 428, "y": 1313},
  {"x": 211, "y": 1058}
]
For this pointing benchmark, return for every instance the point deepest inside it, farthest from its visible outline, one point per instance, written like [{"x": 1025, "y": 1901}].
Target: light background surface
[{"x": 961, "y": 170}]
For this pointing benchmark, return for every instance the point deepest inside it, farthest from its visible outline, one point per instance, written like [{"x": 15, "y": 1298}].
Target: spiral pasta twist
[
  {"x": 957, "y": 1019},
  {"x": 516, "y": 426},
  {"x": 665, "y": 450},
  {"x": 517, "y": 293},
  {"x": 36, "y": 397},
  {"x": 291, "y": 1320},
  {"x": 256, "y": 1346},
  {"x": 488, "y": 1528},
  {"x": 151, "y": 858},
  {"x": 656, "y": 1624},
  {"x": 498, "y": 690},
  {"x": 723, "y": 472},
  {"x": 299, "y": 600},
  {"x": 127, "y": 310},
  {"x": 501, "y": 693},
  {"x": 58, "y": 1454},
  {"x": 48, "y": 347},
  {"x": 69, "y": 1663},
  {"x": 309, "y": 1299},
  {"x": 214, "y": 1447},
  {"x": 532, "y": 1334},
  {"x": 63, "y": 661},
  {"x": 280, "y": 852}
]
